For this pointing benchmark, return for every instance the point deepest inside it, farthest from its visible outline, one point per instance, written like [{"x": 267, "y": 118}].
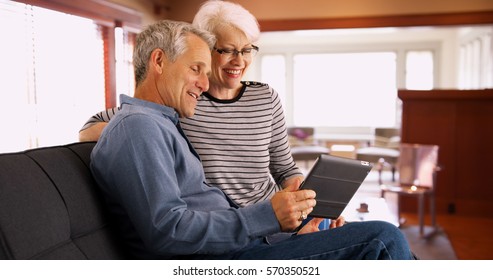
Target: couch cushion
[{"x": 51, "y": 207}]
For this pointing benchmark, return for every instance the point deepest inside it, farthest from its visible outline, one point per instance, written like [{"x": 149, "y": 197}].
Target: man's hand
[{"x": 290, "y": 204}]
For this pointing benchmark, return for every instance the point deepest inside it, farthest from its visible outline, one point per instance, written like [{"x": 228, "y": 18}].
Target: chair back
[
  {"x": 417, "y": 164},
  {"x": 301, "y": 133},
  {"x": 301, "y": 136},
  {"x": 387, "y": 132}
]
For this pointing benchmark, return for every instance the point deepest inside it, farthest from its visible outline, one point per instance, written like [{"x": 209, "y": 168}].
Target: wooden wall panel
[{"x": 461, "y": 123}]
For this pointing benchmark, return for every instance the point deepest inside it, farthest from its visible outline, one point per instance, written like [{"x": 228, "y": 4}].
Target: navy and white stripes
[{"x": 243, "y": 143}]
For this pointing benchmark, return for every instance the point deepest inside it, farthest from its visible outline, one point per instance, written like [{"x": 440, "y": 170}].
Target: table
[{"x": 378, "y": 210}]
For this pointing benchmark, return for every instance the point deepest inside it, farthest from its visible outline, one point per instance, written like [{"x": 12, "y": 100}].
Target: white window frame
[{"x": 399, "y": 48}]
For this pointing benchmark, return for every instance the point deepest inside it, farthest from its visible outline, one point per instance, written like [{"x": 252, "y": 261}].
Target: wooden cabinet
[{"x": 461, "y": 123}]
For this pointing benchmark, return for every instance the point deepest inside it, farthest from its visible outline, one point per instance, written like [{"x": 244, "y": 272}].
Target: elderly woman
[{"x": 238, "y": 128}]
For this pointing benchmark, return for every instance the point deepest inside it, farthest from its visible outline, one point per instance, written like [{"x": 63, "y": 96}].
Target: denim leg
[{"x": 360, "y": 240}]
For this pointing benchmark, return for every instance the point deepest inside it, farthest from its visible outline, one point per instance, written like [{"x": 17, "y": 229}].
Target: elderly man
[{"x": 155, "y": 186}]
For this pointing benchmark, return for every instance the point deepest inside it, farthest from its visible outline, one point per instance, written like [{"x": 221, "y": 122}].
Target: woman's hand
[
  {"x": 311, "y": 226},
  {"x": 339, "y": 222},
  {"x": 293, "y": 182}
]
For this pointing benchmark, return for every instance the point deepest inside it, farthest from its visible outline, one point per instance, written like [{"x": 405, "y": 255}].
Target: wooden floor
[{"x": 471, "y": 237}]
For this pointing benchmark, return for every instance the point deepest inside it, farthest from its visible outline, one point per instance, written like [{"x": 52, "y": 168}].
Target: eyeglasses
[{"x": 247, "y": 53}]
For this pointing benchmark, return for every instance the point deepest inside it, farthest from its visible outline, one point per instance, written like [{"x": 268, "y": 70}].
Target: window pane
[
  {"x": 55, "y": 76},
  {"x": 487, "y": 59},
  {"x": 419, "y": 70},
  {"x": 125, "y": 81},
  {"x": 15, "y": 79},
  {"x": 274, "y": 73},
  {"x": 345, "y": 89}
]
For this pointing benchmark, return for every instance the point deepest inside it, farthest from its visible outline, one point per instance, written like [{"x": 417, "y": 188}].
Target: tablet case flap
[{"x": 335, "y": 180}]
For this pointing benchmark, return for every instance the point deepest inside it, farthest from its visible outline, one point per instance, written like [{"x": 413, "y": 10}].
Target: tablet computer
[{"x": 335, "y": 180}]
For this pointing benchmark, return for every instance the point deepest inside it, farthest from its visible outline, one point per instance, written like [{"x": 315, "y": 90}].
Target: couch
[{"x": 51, "y": 207}]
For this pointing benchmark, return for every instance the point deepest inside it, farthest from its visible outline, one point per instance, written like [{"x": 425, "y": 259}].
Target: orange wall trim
[{"x": 484, "y": 17}]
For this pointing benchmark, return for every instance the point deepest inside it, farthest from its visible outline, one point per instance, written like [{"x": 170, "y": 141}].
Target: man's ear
[{"x": 158, "y": 58}]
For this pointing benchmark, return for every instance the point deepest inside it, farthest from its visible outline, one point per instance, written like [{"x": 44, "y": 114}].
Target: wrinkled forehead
[{"x": 198, "y": 51}]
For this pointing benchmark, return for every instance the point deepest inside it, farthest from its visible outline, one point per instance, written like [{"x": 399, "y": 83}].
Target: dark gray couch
[{"x": 51, "y": 207}]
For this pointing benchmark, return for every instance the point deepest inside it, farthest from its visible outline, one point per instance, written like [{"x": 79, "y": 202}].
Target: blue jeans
[{"x": 372, "y": 240}]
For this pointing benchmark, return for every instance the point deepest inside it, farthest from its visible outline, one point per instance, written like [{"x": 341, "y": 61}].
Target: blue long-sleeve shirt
[{"x": 155, "y": 187}]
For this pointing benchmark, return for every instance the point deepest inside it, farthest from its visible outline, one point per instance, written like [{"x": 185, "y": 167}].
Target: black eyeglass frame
[{"x": 236, "y": 52}]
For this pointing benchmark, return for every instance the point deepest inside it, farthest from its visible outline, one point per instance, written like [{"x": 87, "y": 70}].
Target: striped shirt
[{"x": 242, "y": 143}]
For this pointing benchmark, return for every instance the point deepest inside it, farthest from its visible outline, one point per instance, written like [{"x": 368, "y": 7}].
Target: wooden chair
[
  {"x": 303, "y": 147},
  {"x": 384, "y": 151},
  {"x": 417, "y": 167},
  {"x": 308, "y": 154},
  {"x": 301, "y": 136}
]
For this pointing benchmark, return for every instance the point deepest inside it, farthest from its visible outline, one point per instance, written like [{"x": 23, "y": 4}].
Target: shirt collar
[{"x": 165, "y": 110}]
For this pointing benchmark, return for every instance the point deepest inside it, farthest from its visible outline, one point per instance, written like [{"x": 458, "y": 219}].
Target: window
[
  {"x": 125, "y": 81},
  {"x": 58, "y": 69},
  {"x": 419, "y": 70},
  {"x": 274, "y": 73},
  {"x": 476, "y": 59},
  {"x": 345, "y": 89},
  {"x": 344, "y": 82},
  {"x": 51, "y": 75}
]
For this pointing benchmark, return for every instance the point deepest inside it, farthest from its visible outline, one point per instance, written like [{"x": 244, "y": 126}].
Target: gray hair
[
  {"x": 215, "y": 13},
  {"x": 169, "y": 36}
]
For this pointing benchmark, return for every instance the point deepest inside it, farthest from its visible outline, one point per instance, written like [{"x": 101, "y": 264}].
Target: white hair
[{"x": 215, "y": 13}]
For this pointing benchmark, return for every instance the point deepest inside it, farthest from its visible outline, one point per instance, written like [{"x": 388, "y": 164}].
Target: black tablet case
[{"x": 335, "y": 180}]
